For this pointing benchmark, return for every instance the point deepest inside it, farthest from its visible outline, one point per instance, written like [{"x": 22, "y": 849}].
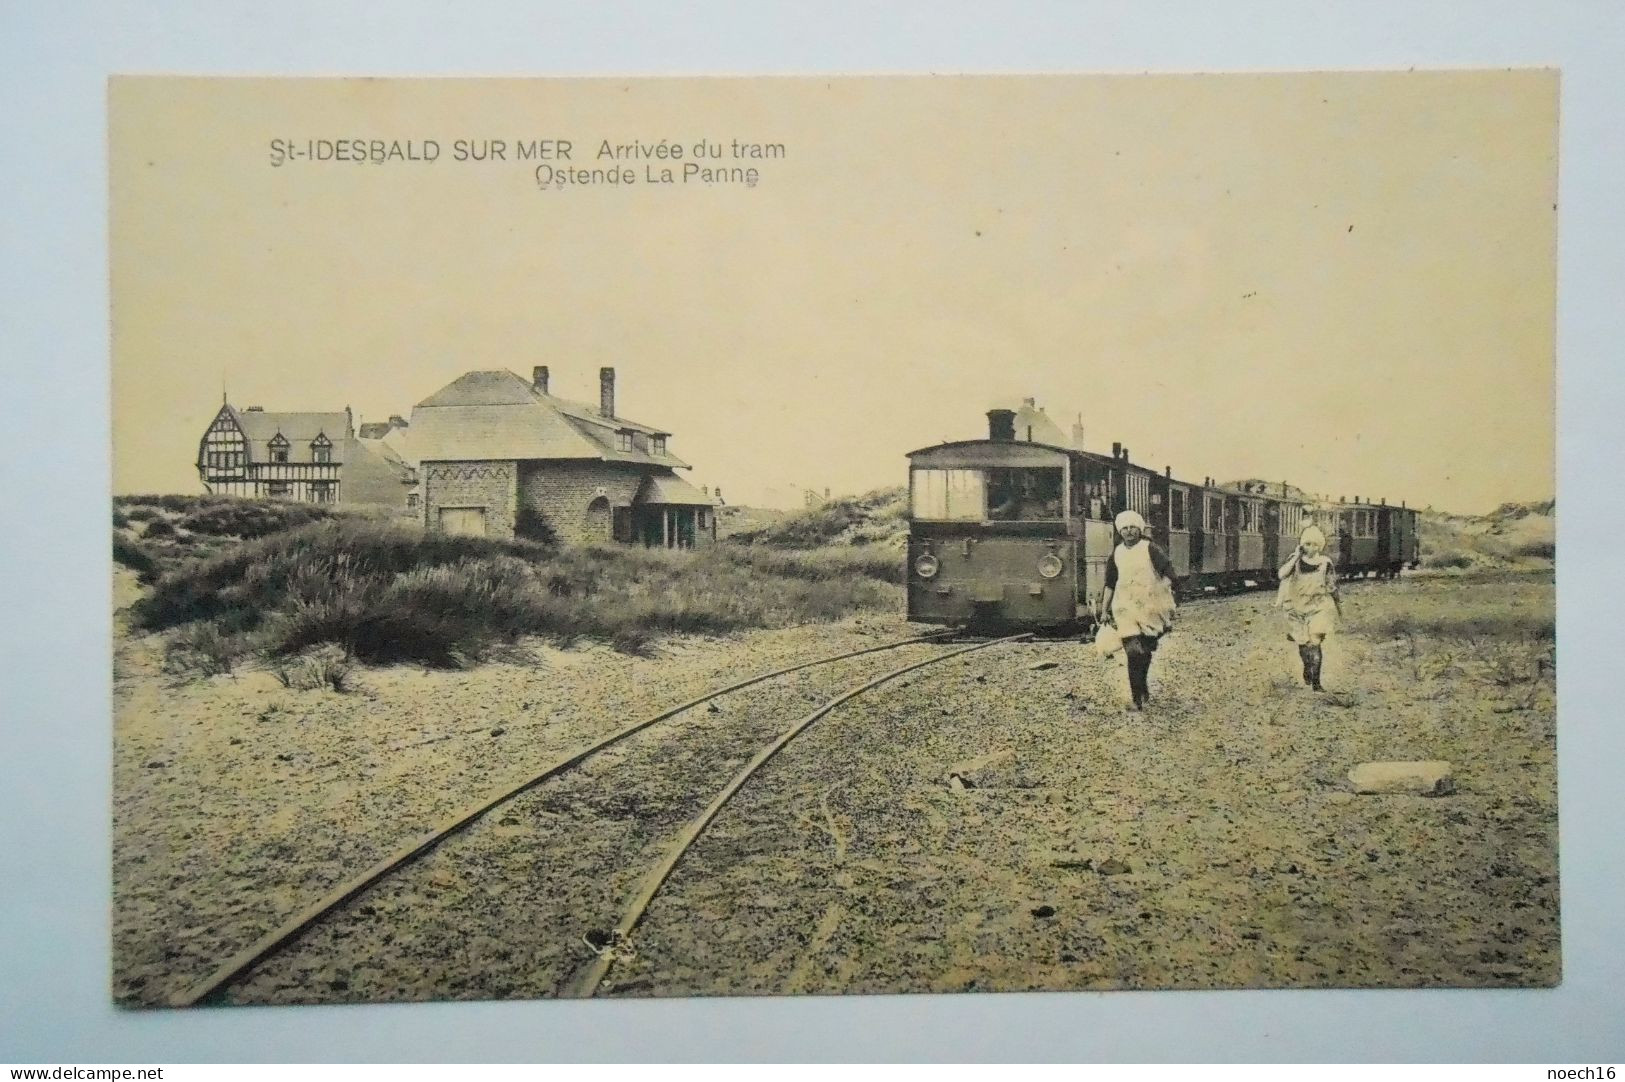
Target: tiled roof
[
  {"x": 299, "y": 429},
  {"x": 668, "y": 488},
  {"x": 498, "y": 415}
]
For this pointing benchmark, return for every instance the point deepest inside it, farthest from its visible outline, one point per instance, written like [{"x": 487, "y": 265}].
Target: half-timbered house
[{"x": 307, "y": 457}]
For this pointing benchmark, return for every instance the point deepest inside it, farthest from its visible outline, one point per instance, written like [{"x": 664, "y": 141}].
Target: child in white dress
[
  {"x": 1138, "y": 599},
  {"x": 1308, "y": 596}
]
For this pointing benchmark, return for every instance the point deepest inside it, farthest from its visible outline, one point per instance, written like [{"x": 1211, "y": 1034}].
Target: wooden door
[{"x": 463, "y": 521}]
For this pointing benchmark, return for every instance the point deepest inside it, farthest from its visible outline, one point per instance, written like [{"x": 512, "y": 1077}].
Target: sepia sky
[{"x": 1346, "y": 281}]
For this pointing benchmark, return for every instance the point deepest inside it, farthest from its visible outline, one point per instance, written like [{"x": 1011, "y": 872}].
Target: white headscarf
[
  {"x": 1312, "y": 533},
  {"x": 1129, "y": 518}
]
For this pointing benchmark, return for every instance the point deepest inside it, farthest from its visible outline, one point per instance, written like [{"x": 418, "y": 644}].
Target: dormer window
[
  {"x": 279, "y": 448},
  {"x": 321, "y": 448},
  {"x": 623, "y": 440},
  {"x": 657, "y": 445}
]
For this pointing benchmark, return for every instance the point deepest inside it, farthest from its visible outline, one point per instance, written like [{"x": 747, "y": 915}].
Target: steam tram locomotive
[{"x": 1012, "y": 533}]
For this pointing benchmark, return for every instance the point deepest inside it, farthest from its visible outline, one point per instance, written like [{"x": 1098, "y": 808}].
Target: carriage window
[
  {"x": 1213, "y": 520},
  {"x": 1023, "y": 495},
  {"x": 1176, "y": 509},
  {"x": 1138, "y": 487},
  {"x": 1093, "y": 491},
  {"x": 949, "y": 495},
  {"x": 1249, "y": 517}
]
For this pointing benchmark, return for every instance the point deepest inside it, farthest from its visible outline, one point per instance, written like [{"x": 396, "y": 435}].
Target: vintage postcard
[{"x": 771, "y": 536}]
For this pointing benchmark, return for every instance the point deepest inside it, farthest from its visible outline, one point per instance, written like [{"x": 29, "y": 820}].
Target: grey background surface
[{"x": 54, "y": 679}]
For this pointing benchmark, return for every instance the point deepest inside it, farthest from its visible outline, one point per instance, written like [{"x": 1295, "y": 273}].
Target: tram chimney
[
  {"x": 1117, "y": 449},
  {"x": 1001, "y": 425},
  {"x": 606, "y": 391},
  {"x": 538, "y": 378},
  {"x": 1168, "y": 472}
]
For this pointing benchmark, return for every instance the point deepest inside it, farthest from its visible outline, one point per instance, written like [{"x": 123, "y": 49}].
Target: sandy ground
[{"x": 981, "y": 824}]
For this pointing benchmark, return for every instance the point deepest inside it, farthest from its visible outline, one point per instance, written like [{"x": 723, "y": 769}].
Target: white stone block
[{"x": 1428, "y": 777}]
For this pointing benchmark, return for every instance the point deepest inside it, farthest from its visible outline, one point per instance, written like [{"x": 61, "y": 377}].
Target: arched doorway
[{"x": 595, "y": 524}]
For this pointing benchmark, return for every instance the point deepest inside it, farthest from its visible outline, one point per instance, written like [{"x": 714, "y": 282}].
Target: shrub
[
  {"x": 1538, "y": 549},
  {"x": 530, "y": 525},
  {"x": 202, "y": 647},
  {"x": 169, "y": 501},
  {"x": 251, "y": 518},
  {"x": 1452, "y": 558},
  {"x": 329, "y": 667},
  {"x": 160, "y": 528},
  {"x": 387, "y": 594},
  {"x": 131, "y": 555},
  {"x": 120, "y": 519}
]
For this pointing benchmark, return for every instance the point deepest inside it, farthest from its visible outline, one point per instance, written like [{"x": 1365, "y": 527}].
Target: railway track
[{"x": 244, "y": 962}]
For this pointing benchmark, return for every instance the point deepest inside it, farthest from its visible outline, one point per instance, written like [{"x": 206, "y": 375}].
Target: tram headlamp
[
  {"x": 1050, "y": 565},
  {"x": 927, "y": 566}
]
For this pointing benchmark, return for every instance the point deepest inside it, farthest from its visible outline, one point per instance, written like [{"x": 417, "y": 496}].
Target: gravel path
[{"x": 976, "y": 825}]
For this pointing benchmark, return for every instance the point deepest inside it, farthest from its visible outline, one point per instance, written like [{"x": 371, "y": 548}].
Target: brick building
[
  {"x": 501, "y": 457},
  {"x": 308, "y": 457}
]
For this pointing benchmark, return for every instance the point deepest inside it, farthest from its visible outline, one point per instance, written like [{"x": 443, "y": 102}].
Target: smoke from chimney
[
  {"x": 606, "y": 391},
  {"x": 538, "y": 378}
]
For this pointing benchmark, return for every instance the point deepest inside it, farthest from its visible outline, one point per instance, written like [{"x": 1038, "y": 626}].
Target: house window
[
  {"x": 321, "y": 449},
  {"x": 657, "y": 445},
  {"x": 321, "y": 492},
  {"x": 279, "y": 448},
  {"x": 623, "y": 441},
  {"x": 278, "y": 488}
]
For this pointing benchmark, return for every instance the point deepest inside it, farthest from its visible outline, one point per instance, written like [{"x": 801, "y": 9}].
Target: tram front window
[{"x": 1023, "y": 495}]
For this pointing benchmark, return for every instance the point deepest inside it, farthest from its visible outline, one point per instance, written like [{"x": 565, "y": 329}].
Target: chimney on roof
[
  {"x": 1117, "y": 449},
  {"x": 538, "y": 378},
  {"x": 349, "y": 422},
  {"x": 1029, "y": 402},
  {"x": 1077, "y": 433},
  {"x": 1001, "y": 424},
  {"x": 253, "y": 409},
  {"x": 606, "y": 391},
  {"x": 397, "y": 421}
]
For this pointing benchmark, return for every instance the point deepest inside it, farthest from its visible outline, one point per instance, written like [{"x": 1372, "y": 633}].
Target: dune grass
[
  {"x": 384, "y": 593},
  {"x": 875, "y": 518}
]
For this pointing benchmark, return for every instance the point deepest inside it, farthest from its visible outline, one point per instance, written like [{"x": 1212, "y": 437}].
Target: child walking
[
  {"x": 1308, "y": 596},
  {"x": 1138, "y": 599}
]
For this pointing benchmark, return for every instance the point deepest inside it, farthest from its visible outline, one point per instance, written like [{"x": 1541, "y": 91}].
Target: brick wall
[
  {"x": 560, "y": 492},
  {"x": 491, "y": 485}
]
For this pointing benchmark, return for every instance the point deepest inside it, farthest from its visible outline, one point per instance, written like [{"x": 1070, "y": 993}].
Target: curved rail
[
  {"x": 589, "y": 981},
  {"x": 261, "y": 948}
]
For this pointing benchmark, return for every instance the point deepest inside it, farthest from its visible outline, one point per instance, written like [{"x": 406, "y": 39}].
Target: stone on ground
[{"x": 1428, "y": 777}]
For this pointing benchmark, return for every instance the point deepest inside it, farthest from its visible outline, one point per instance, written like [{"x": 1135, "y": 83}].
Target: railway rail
[{"x": 285, "y": 934}]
